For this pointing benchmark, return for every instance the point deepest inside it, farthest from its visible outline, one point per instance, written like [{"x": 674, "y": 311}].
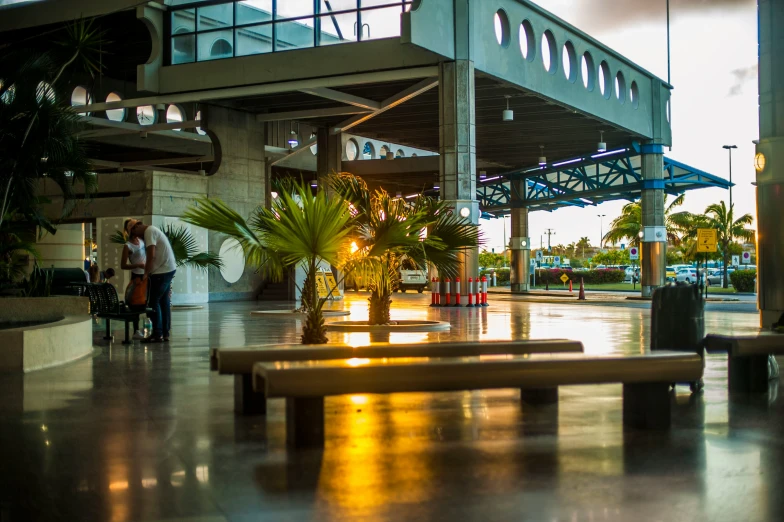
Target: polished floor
[{"x": 147, "y": 433}]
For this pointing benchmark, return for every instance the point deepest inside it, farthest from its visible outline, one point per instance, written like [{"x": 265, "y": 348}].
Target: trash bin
[{"x": 678, "y": 321}]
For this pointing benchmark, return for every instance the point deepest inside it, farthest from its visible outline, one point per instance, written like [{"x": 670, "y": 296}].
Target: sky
[{"x": 714, "y": 101}]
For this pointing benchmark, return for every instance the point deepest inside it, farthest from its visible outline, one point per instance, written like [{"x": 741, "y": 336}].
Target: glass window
[
  {"x": 146, "y": 114},
  {"x": 198, "y": 129},
  {"x": 79, "y": 96},
  {"x": 216, "y": 16},
  {"x": 294, "y": 9},
  {"x": 183, "y": 21},
  {"x": 174, "y": 115},
  {"x": 253, "y": 11},
  {"x": 375, "y": 3},
  {"x": 215, "y": 45},
  {"x": 296, "y": 34},
  {"x": 115, "y": 114},
  {"x": 381, "y": 23},
  {"x": 183, "y": 49},
  {"x": 256, "y": 39},
  {"x": 337, "y": 5},
  {"x": 338, "y": 28}
]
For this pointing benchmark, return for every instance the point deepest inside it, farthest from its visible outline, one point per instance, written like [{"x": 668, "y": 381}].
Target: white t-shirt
[
  {"x": 164, "y": 261},
  {"x": 136, "y": 254}
]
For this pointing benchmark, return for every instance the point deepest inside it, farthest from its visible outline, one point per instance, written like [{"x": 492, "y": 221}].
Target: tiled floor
[{"x": 148, "y": 434}]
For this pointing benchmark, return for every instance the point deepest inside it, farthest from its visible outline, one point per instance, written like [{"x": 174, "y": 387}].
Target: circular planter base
[
  {"x": 186, "y": 307},
  {"x": 394, "y": 326},
  {"x": 295, "y": 313}
]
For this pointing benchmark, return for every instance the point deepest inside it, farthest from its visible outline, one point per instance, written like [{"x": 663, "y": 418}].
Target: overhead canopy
[{"x": 586, "y": 180}]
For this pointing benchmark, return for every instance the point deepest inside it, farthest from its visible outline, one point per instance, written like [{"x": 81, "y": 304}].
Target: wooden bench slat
[
  {"x": 340, "y": 377},
  {"x": 241, "y": 360}
]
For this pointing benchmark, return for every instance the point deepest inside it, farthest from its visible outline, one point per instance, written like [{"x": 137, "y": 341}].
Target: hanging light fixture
[
  {"x": 293, "y": 140},
  {"x": 542, "y": 158},
  {"x": 390, "y": 154},
  {"x": 313, "y": 135},
  {"x": 508, "y": 114},
  {"x": 482, "y": 174},
  {"x": 602, "y": 146}
]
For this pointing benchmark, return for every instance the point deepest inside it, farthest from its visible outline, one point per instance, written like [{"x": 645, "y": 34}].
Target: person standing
[
  {"x": 134, "y": 258},
  {"x": 159, "y": 269}
]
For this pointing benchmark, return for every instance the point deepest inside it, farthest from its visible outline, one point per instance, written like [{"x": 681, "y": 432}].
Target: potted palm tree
[
  {"x": 389, "y": 230},
  {"x": 184, "y": 246},
  {"x": 300, "y": 229}
]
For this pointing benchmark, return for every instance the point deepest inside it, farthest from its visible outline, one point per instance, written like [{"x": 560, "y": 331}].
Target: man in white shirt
[{"x": 160, "y": 268}]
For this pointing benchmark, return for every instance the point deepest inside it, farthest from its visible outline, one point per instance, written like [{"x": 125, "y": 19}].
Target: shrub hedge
[
  {"x": 553, "y": 276},
  {"x": 743, "y": 280}
]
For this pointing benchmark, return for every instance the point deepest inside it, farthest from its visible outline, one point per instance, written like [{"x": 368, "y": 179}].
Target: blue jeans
[{"x": 160, "y": 302}]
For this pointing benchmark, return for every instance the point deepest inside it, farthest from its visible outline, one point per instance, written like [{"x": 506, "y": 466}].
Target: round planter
[
  {"x": 394, "y": 326},
  {"x": 295, "y": 313}
]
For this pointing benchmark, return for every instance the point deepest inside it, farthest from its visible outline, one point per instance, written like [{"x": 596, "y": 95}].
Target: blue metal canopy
[{"x": 586, "y": 181}]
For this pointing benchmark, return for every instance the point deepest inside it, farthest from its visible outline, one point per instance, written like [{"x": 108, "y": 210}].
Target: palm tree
[
  {"x": 388, "y": 231},
  {"x": 37, "y": 124},
  {"x": 17, "y": 243},
  {"x": 300, "y": 228},
  {"x": 184, "y": 247},
  {"x": 583, "y": 244},
  {"x": 628, "y": 225},
  {"x": 727, "y": 228}
]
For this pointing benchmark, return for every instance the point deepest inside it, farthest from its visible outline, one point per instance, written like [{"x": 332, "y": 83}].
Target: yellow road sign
[
  {"x": 333, "y": 286},
  {"x": 321, "y": 285},
  {"x": 564, "y": 278},
  {"x": 706, "y": 240}
]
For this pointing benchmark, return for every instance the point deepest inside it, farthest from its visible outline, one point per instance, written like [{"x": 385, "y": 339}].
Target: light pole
[
  {"x": 601, "y": 232},
  {"x": 729, "y": 149}
]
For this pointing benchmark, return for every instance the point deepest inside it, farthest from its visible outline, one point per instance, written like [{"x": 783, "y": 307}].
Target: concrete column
[
  {"x": 65, "y": 249},
  {"x": 457, "y": 149},
  {"x": 769, "y": 163},
  {"x": 329, "y": 155},
  {"x": 520, "y": 242},
  {"x": 654, "y": 241}
]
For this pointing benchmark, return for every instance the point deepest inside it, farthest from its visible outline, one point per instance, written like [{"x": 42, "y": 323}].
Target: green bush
[
  {"x": 502, "y": 277},
  {"x": 743, "y": 280},
  {"x": 553, "y": 276}
]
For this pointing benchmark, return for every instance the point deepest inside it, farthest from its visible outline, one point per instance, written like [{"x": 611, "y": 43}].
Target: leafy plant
[
  {"x": 719, "y": 217},
  {"x": 628, "y": 225},
  {"x": 300, "y": 228},
  {"x": 184, "y": 246},
  {"x": 39, "y": 284},
  {"x": 743, "y": 280},
  {"x": 17, "y": 245}
]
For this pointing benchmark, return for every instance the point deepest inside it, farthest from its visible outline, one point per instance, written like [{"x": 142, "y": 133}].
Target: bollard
[
  {"x": 433, "y": 291},
  {"x": 478, "y": 298},
  {"x": 582, "y": 291},
  {"x": 457, "y": 292},
  {"x": 570, "y": 286},
  {"x": 470, "y": 293},
  {"x": 447, "y": 293},
  {"x": 441, "y": 298},
  {"x": 495, "y": 281},
  {"x": 484, "y": 291}
]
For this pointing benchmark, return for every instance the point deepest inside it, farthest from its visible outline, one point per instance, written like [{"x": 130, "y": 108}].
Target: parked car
[
  {"x": 671, "y": 273},
  {"x": 412, "y": 280},
  {"x": 715, "y": 276},
  {"x": 688, "y": 275},
  {"x": 632, "y": 274}
]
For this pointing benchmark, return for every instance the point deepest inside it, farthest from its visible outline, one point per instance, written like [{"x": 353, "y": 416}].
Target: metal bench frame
[{"x": 105, "y": 303}]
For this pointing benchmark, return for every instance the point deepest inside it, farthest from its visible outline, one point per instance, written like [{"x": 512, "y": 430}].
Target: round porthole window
[
  {"x": 233, "y": 260},
  {"x": 115, "y": 114}
]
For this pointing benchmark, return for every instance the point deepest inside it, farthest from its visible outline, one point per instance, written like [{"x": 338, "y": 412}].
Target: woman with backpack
[{"x": 134, "y": 257}]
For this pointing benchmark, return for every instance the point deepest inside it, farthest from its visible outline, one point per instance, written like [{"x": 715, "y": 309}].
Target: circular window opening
[
  {"x": 501, "y": 24},
  {"x": 634, "y": 93},
  {"x": 314, "y": 149},
  {"x": 400, "y": 153},
  {"x": 198, "y": 129},
  {"x": 604, "y": 79},
  {"x": 413, "y": 6},
  {"x": 368, "y": 151},
  {"x": 80, "y": 97},
  {"x": 527, "y": 43},
  {"x": 174, "y": 115},
  {"x": 44, "y": 91},
  {"x": 620, "y": 87},
  {"x": 588, "y": 71},
  {"x": 145, "y": 114},
  {"x": 115, "y": 114},
  {"x": 569, "y": 61},
  {"x": 221, "y": 49},
  {"x": 549, "y": 52},
  {"x": 414, "y": 155},
  {"x": 382, "y": 152},
  {"x": 352, "y": 150}
]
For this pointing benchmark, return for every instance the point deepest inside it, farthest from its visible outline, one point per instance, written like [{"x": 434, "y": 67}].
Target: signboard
[
  {"x": 634, "y": 253},
  {"x": 533, "y": 263},
  {"x": 333, "y": 285},
  {"x": 539, "y": 255},
  {"x": 746, "y": 258},
  {"x": 564, "y": 278},
  {"x": 706, "y": 240},
  {"x": 321, "y": 285},
  {"x": 557, "y": 261},
  {"x": 735, "y": 260}
]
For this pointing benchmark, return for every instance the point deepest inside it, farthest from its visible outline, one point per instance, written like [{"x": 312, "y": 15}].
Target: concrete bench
[
  {"x": 747, "y": 358},
  {"x": 239, "y": 361},
  {"x": 646, "y": 380}
]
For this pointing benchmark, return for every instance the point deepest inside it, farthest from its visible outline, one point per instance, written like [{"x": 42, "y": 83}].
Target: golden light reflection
[
  {"x": 355, "y": 339},
  {"x": 203, "y": 474},
  {"x": 354, "y": 362},
  {"x": 353, "y": 247},
  {"x": 177, "y": 478},
  {"x": 359, "y": 400},
  {"x": 44, "y": 428},
  {"x": 118, "y": 485},
  {"x": 149, "y": 482}
]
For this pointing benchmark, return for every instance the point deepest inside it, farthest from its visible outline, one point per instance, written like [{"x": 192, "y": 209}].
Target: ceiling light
[
  {"x": 390, "y": 154},
  {"x": 602, "y": 146},
  {"x": 508, "y": 114},
  {"x": 293, "y": 141},
  {"x": 274, "y": 194},
  {"x": 542, "y": 157},
  {"x": 313, "y": 135},
  {"x": 399, "y": 194},
  {"x": 482, "y": 174},
  {"x": 202, "y": 172},
  {"x": 465, "y": 212},
  {"x": 314, "y": 183}
]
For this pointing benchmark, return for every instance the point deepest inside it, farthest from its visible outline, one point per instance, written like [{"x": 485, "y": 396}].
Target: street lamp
[
  {"x": 729, "y": 149},
  {"x": 601, "y": 232}
]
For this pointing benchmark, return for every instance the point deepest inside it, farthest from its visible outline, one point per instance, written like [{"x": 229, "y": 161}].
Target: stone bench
[
  {"x": 239, "y": 361},
  {"x": 747, "y": 358},
  {"x": 304, "y": 384}
]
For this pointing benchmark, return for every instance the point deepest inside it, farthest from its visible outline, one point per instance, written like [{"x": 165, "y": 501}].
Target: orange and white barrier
[
  {"x": 434, "y": 292},
  {"x": 457, "y": 291},
  {"x": 470, "y": 293},
  {"x": 484, "y": 291}
]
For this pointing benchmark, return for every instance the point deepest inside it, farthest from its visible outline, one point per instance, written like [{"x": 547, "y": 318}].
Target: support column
[
  {"x": 769, "y": 163},
  {"x": 329, "y": 154},
  {"x": 654, "y": 240},
  {"x": 457, "y": 149},
  {"x": 519, "y": 242}
]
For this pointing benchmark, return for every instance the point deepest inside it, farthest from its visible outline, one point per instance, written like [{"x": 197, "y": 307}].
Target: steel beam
[
  {"x": 314, "y": 113},
  {"x": 390, "y": 103},
  {"x": 303, "y": 146},
  {"x": 342, "y": 97},
  {"x": 132, "y": 128}
]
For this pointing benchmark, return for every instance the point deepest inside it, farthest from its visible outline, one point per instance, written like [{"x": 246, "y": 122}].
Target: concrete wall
[{"x": 65, "y": 249}]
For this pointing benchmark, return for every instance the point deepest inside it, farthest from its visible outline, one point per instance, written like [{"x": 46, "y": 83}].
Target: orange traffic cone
[
  {"x": 582, "y": 291},
  {"x": 570, "y": 286}
]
